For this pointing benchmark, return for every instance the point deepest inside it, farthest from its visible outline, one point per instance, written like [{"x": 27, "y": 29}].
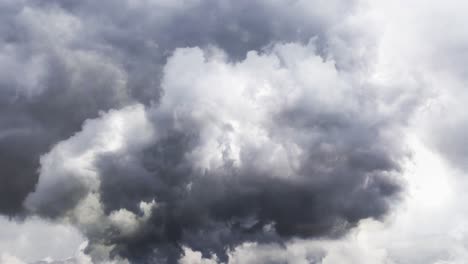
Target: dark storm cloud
[
  {"x": 230, "y": 205},
  {"x": 71, "y": 78},
  {"x": 71, "y": 88},
  {"x": 311, "y": 160},
  {"x": 293, "y": 165}
]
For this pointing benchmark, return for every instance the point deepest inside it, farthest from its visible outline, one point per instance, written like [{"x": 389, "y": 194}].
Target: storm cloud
[
  {"x": 155, "y": 127},
  {"x": 63, "y": 62},
  {"x": 248, "y": 151}
]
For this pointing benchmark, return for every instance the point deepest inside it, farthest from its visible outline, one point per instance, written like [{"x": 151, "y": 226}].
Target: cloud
[
  {"x": 418, "y": 231},
  {"x": 24, "y": 241},
  {"x": 204, "y": 131},
  {"x": 62, "y": 62},
  {"x": 279, "y": 145},
  {"x": 47, "y": 90}
]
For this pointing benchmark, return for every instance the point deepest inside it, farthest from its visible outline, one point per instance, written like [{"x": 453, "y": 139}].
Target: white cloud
[{"x": 34, "y": 239}]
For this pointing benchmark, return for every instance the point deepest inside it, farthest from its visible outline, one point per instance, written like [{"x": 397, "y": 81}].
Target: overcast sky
[{"x": 237, "y": 132}]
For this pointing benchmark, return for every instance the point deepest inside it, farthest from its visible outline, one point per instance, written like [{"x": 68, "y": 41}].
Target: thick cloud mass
[
  {"x": 64, "y": 61},
  {"x": 158, "y": 127},
  {"x": 276, "y": 146},
  {"x": 47, "y": 90}
]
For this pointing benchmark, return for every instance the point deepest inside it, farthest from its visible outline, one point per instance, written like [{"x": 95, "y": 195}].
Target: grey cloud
[
  {"x": 47, "y": 90},
  {"x": 159, "y": 154},
  {"x": 232, "y": 205},
  {"x": 147, "y": 148},
  {"x": 306, "y": 166},
  {"x": 236, "y": 27},
  {"x": 31, "y": 124},
  {"x": 79, "y": 58}
]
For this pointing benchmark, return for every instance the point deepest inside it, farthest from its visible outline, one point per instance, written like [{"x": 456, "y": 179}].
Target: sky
[{"x": 237, "y": 132}]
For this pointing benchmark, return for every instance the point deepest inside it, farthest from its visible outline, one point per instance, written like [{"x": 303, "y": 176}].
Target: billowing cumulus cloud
[
  {"x": 63, "y": 62},
  {"x": 276, "y": 146},
  {"x": 203, "y": 131}
]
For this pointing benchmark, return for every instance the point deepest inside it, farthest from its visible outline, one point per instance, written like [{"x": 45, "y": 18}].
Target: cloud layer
[{"x": 224, "y": 131}]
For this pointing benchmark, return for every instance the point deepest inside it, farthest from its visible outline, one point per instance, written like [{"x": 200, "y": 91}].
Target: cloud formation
[
  {"x": 279, "y": 145},
  {"x": 77, "y": 59},
  {"x": 218, "y": 131}
]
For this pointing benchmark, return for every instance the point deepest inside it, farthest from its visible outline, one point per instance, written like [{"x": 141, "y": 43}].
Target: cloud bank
[{"x": 204, "y": 131}]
